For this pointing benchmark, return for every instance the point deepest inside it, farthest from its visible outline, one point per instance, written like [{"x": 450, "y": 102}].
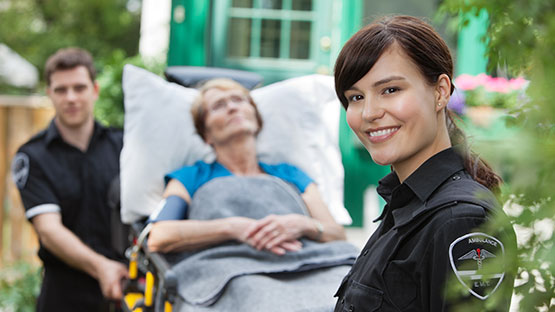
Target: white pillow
[{"x": 301, "y": 125}]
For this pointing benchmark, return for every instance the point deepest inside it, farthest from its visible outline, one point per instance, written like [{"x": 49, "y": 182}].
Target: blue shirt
[{"x": 193, "y": 177}]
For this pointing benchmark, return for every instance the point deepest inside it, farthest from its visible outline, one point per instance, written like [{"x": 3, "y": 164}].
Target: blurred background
[{"x": 503, "y": 55}]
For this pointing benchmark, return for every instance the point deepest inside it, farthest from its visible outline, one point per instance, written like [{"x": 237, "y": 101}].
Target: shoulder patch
[
  {"x": 468, "y": 255},
  {"x": 20, "y": 169}
]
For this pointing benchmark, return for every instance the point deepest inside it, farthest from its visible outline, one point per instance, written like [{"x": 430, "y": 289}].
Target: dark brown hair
[
  {"x": 69, "y": 58},
  {"x": 424, "y": 46},
  {"x": 197, "y": 108}
]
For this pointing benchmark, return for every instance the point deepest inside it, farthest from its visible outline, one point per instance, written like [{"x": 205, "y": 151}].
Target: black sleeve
[
  {"x": 35, "y": 189},
  {"x": 457, "y": 267}
]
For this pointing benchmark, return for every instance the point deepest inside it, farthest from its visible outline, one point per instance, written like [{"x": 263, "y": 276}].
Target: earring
[{"x": 438, "y": 104}]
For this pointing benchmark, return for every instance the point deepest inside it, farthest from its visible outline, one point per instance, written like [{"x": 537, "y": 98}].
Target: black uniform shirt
[
  {"x": 427, "y": 234},
  {"x": 53, "y": 176}
]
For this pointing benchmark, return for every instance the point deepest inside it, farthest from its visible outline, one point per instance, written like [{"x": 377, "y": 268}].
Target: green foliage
[
  {"x": 517, "y": 28},
  {"x": 109, "y": 29},
  {"x": 36, "y": 28},
  {"x": 109, "y": 107},
  {"x": 11, "y": 90},
  {"x": 521, "y": 37},
  {"x": 19, "y": 287}
]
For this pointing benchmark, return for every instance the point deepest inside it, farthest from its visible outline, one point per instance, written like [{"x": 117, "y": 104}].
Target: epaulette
[{"x": 465, "y": 191}]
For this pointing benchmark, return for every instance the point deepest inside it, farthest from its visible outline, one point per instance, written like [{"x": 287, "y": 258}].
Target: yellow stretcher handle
[
  {"x": 133, "y": 267},
  {"x": 131, "y": 299},
  {"x": 168, "y": 307},
  {"x": 149, "y": 289}
]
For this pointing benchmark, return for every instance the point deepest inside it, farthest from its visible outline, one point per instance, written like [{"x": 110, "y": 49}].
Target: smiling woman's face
[{"x": 395, "y": 112}]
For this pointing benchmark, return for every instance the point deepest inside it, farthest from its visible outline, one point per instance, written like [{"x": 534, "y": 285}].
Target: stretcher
[{"x": 153, "y": 284}]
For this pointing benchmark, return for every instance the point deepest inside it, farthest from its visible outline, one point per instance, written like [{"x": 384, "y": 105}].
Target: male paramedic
[{"x": 63, "y": 175}]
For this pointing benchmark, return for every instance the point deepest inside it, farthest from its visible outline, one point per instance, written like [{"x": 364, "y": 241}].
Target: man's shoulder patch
[
  {"x": 20, "y": 169},
  {"x": 469, "y": 255}
]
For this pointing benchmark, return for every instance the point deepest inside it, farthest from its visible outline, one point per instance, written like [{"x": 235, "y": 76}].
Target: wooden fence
[{"x": 20, "y": 118}]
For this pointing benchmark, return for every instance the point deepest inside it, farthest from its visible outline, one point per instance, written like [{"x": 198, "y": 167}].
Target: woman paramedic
[{"x": 393, "y": 77}]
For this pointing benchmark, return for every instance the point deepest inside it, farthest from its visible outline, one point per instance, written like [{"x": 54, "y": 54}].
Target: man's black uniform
[
  {"x": 53, "y": 176},
  {"x": 428, "y": 234}
]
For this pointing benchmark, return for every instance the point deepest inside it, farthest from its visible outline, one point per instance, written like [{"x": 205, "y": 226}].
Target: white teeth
[{"x": 382, "y": 132}]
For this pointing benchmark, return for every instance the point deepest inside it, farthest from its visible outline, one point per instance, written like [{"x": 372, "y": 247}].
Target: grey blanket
[{"x": 232, "y": 268}]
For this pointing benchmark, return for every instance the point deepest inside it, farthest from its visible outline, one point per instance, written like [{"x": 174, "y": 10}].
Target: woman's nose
[
  {"x": 371, "y": 110},
  {"x": 232, "y": 105}
]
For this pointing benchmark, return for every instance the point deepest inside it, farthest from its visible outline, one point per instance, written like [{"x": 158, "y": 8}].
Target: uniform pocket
[
  {"x": 399, "y": 284},
  {"x": 359, "y": 297}
]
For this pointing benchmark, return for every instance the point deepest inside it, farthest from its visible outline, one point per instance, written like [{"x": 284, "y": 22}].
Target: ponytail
[{"x": 476, "y": 166}]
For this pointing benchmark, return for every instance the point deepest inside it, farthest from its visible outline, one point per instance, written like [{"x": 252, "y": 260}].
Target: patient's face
[{"x": 229, "y": 114}]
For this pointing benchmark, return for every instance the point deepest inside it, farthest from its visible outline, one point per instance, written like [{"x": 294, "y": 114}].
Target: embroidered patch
[
  {"x": 20, "y": 169},
  {"x": 469, "y": 254}
]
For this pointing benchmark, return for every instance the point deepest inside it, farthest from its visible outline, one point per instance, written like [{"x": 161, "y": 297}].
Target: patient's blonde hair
[{"x": 198, "y": 110}]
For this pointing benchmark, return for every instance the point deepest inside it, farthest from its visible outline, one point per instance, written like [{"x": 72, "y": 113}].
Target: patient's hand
[
  {"x": 277, "y": 233},
  {"x": 284, "y": 247},
  {"x": 240, "y": 228}
]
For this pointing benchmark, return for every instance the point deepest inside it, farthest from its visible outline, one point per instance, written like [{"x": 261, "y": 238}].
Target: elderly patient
[{"x": 247, "y": 225}]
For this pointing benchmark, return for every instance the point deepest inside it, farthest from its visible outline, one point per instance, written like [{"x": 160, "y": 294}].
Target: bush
[
  {"x": 19, "y": 287},
  {"x": 109, "y": 107},
  {"x": 521, "y": 38}
]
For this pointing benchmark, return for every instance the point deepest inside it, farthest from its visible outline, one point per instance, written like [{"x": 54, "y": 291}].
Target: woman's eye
[
  {"x": 236, "y": 99},
  {"x": 390, "y": 90},
  {"x": 218, "y": 105},
  {"x": 355, "y": 98}
]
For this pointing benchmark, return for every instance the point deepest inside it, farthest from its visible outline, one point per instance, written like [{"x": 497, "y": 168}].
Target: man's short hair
[{"x": 69, "y": 58}]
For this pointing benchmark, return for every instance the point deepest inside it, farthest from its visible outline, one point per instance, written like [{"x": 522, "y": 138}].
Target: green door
[
  {"x": 279, "y": 39},
  {"x": 290, "y": 37}
]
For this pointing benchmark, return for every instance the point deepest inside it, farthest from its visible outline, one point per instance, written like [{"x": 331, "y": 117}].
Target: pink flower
[
  {"x": 482, "y": 79},
  {"x": 518, "y": 83},
  {"x": 497, "y": 84},
  {"x": 466, "y": 82},
  {"x": 491, "y": 84}
]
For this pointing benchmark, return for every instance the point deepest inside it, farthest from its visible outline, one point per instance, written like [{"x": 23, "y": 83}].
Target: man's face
[{"x": 73, "y": 94}]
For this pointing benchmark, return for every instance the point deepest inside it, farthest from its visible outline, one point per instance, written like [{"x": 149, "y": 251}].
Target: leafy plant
[
  {"x": 19, "y": 287},
  {"x": 109, "y": 107},
  {"x": 36, "y": 29},
  {"x": 521, "y": 38},
  {"x": 497, "y": 92}
]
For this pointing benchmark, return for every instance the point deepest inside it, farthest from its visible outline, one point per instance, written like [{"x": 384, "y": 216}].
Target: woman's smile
[{"x": 379, "y": 135}]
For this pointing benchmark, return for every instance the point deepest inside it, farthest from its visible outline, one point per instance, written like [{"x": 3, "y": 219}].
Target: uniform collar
[
  {"x": 420, "y": 184},
  {"x": 432, "y": 173},
  {"x": 386, "y": 186},
  {"x": 52, "y": 132}
]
